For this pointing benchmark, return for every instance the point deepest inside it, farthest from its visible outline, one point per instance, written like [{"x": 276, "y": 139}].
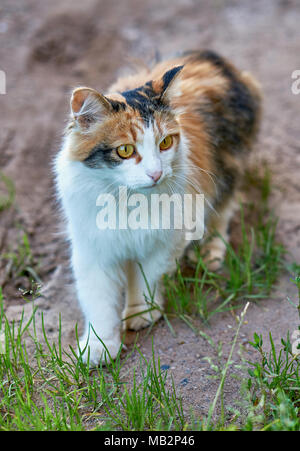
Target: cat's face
[{"x": 133, "y": 138}]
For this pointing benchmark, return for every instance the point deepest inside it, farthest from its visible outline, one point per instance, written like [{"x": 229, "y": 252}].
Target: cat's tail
[
  {"x": 256, "y": 92},
  {"x": 253, "y": 85}
]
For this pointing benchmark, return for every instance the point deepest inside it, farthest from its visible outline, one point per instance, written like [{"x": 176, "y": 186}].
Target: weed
[
  {"x": 21, "y": 263},
  {"x": 7, "y": 185},
  {"x": 274, "y": 383},
  {"x": 248, "y": 274}
]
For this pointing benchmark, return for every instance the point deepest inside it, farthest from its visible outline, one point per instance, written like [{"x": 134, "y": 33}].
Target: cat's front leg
[{"x": 100, "y": 296}]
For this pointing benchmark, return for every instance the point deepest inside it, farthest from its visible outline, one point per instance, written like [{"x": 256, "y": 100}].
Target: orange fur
[{"x": 197, "y": 93}]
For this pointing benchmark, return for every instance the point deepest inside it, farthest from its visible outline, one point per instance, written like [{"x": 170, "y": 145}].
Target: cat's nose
[{"x": 155, "y": 175}]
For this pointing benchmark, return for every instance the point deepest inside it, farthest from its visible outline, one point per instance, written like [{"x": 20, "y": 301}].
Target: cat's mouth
[
  {"x": 155, "y": 184},
  {"x": 150, "y": 186},
  {"x": 159, "y": 184}
]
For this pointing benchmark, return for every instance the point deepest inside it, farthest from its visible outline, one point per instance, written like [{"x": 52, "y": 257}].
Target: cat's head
[{"x": 133, "y": 137}]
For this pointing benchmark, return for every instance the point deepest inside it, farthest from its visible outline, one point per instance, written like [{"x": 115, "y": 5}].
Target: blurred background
[{"x": 49, "y": 47}]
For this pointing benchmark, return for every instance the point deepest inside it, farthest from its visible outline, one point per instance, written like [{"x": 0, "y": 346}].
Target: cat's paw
[
  {"x": 96, "y": 352},
  {"x": 213, "y": 254},
  {"x": 136, "y": 320}
]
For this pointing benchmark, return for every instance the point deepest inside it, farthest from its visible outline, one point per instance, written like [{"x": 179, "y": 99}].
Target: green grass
[
  {"x": 249, "y": 272},
  {"x": 46, "y": 387},
  {"x": 274, "y": 383},
  {"x": 54, "y": 390},
  {"x": 21, "y": 262},
  {"x": 18, "y": 261},
  {"x": 51, "y": 389},
  {"x": 7, "y": 193}
]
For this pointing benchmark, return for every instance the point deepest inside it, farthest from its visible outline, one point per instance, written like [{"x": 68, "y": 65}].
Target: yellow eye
[
  {"x": 125, "y": 151},
  {"x": 166, "y": 143}
]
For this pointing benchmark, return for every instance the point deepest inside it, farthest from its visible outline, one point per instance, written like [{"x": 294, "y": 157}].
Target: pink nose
[{"x": 156, "y": 175}]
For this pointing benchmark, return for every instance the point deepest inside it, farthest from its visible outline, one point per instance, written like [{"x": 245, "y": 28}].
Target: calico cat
[{"x": 187, "y": 125}]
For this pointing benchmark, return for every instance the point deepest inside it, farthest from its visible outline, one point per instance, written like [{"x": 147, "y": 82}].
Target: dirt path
[{"x": 46, "y": 48}]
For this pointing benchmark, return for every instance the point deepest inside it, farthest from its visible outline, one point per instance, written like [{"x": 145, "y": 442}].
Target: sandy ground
[{"x": 47, "y": 48}]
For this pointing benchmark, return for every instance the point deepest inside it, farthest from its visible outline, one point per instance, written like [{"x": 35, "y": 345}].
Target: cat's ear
[
  {"x": 88, "y": 106},
  {"x": 170, "y": 84}
]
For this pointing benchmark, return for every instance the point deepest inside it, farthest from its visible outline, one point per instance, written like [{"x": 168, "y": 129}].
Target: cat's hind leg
[
  {"x": 213, "y": 249},
  {"x": 144, "y": 301}
]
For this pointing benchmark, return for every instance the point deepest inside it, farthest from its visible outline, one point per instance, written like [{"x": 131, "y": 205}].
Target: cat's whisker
[
  {"x": 197, "y": 168},
  {"x": 198, "y": 190}
]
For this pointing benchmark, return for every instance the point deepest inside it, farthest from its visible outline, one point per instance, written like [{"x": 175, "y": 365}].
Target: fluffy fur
[{"x": 212, "y": 112}]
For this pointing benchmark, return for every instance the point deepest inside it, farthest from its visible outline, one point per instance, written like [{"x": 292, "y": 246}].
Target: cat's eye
[
  {"x": 166, "y": 143},
  {"x": 126, "y": 150}
]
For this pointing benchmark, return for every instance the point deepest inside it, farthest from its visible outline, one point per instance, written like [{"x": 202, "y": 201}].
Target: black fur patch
[
  {"x": 145, "y": 100},
  {"x": 117, "y": 106},
  {"x": 100, "y": 156},
  {"x": 168, "y": 77},
  {"x": 232, "y": 118},
  {"x": 226, "y": 180}
]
